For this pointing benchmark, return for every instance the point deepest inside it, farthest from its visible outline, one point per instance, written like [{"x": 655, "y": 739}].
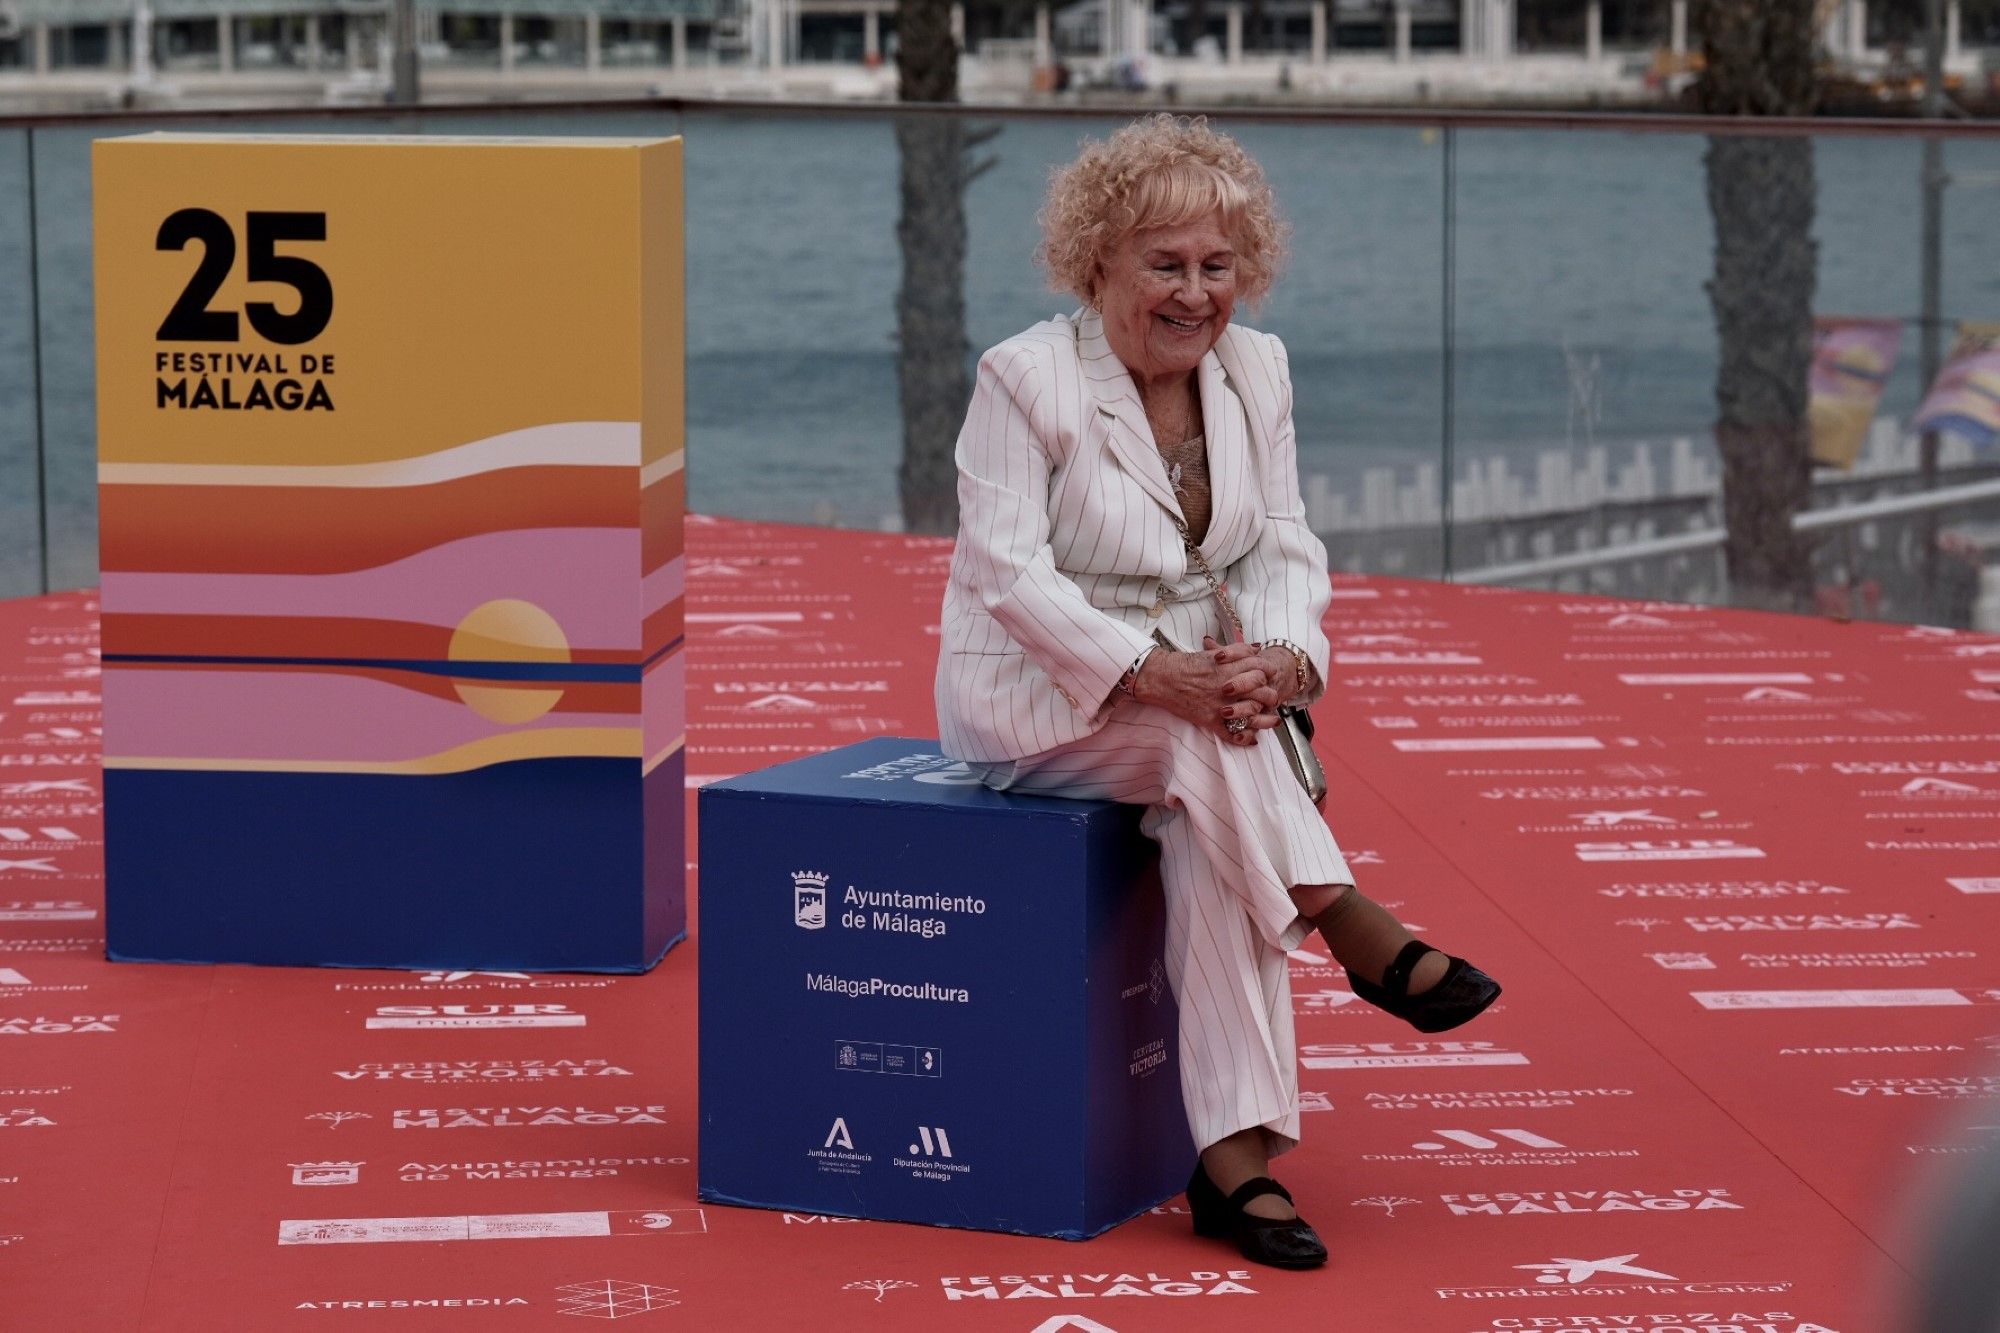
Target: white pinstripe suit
[{"x": 1066, "y": 543}]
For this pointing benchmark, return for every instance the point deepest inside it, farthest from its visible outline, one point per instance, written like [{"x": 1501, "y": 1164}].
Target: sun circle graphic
[{"x": 507, "y": 630}]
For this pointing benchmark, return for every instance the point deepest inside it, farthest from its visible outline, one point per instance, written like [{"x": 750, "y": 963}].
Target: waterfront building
[{"x": 110, "y": 52}]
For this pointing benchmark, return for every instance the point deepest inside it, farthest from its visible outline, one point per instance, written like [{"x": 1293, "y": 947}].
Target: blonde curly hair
[{"x": 1160, "y": 171}]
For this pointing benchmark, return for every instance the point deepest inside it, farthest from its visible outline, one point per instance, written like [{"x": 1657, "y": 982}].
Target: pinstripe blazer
[{"x": 1067, "y": 536}]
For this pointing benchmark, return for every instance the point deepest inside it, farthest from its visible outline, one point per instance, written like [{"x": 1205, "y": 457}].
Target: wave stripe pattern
[
  {"x": 386, "y": 559},
  {"x": 419, "y": 615}
]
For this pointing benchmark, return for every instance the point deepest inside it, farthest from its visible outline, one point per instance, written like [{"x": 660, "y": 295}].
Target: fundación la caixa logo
[{"x": 809, "y": 899}]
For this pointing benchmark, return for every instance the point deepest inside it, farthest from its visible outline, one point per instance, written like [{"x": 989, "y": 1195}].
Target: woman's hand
[
  {"x": 1220, "y": 684},
  {"x": 1283, "y": 670}
]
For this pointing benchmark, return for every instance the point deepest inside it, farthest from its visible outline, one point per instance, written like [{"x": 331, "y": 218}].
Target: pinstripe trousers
[{"x": 1235, "y": 833}]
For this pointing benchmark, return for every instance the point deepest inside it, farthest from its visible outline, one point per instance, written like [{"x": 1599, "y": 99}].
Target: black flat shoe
[
  {"x": 1458, "y": 997},
  {"x": 1285, "y": 1242}
]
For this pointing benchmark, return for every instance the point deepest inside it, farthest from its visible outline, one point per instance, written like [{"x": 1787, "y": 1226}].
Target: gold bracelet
[
  {"x": 1127, "y": 683},
  {"x": 1300, "y": 662}
]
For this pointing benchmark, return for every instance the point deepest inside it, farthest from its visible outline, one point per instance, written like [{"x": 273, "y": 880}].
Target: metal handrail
[
  {"x": 1813, "y": 520},
  {"x": 1623, "y": 122}
]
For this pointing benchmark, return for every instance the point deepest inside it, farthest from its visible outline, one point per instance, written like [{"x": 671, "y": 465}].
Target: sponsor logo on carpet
[
  {"x": 1976, "y": 884},
  {"x": 429, "y": 1016},
  {"x": 58, "y": 699},
  {"x": 1519, "y": 1204},
  {"x": 1444, "y": 680},
  {"x": 1629, "y": 792},
  {"x": 1437, "y": 657},
  {"x": 1964, "y": 1087},
  {"x": 1933, "y": 790},
  {"x": 1154, "y": 987},
  {"x": 1828, "y": 999},
  {"x": 1722, "y": 889},
  {"x": 480, "y": 1071},
  {"x": 1905, "y": 1048},
  {"x": 1692, "y": 849},
  {"x": 24, "y": 1117},
  {"x": 1505, "y": 1099},
  {"x": 1484, "y": 701},
  {"x": 1102, "y": 1286},
  {"x": 46, "y": 909},
  {"x": 14, "y": 982},
  {"x": 881, "y": 1286},
  {"x": 490, "y": 1226},
  {"x": 1618, "y": 1275},
  {"x": 1916, "y": 768},
  {"x": 1388, "y": 1203},
  {"x": 1715, "y": 678},
  {"x": 41, "y": 1025},
  {"x": 610, "y": 1299},
  {"x": 1438, "y": 745},
  {"x": 1876, "y": 958},
  {"x": 515, "y": 1117},
  {"x": 529, "y": 1168},
  {"x": 1643, "y": 820},
  {"x": 1683, "y": 962},
  {"x": 1326, "y": 1001},
  {"x": 434, "y": 981},
  {"x": 1973, "y": 1141},
  {"x": 1719, "y": 1319},
  {"x": 799, "y": 687},
  {"x": 417, "y": 1303},
  {"x": 1802, "y": 921},
  {"x": 51, "y": 809},
  {"x": 54, "y": 944},
  {"x": 1407, "y": 1055},
  {"x": 1496, "y": 1147},
  {"x": 41, "y": 838},
  {"x": 1147, "y": 1059},
  {"x": 335, "y": 1119},
  {"x": 326, "y": 1173}
]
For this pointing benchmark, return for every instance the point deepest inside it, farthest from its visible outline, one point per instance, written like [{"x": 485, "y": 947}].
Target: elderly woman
[{"x": 1112, "y": 460}]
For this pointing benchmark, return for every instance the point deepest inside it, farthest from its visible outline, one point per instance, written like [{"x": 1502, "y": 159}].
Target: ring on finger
[{"x": 1236, "y": 726}]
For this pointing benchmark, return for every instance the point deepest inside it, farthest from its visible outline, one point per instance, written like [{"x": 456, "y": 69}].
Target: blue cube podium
[{"x": 926, "y": 1001}]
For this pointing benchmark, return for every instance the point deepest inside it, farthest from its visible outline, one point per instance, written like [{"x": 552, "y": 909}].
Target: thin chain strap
[{"x": 1214, "y": 584}]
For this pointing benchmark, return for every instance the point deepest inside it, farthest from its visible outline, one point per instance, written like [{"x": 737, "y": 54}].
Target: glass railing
[{"x": 1503, "y": 331}]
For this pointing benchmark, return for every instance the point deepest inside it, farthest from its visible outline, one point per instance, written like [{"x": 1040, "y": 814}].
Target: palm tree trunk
[
  {"x": 930, "y": 304},
  {"x": 1762, "y": 194}
]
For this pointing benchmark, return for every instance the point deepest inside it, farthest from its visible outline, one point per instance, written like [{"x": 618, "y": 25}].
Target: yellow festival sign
[{"x": 391, "y": 496}]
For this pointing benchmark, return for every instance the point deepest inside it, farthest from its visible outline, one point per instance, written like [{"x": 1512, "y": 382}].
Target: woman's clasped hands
[{"x": 1234, "y": 689}]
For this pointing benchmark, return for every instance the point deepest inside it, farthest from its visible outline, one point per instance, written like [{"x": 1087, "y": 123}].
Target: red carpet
[{"x": 1740, "y": 875}]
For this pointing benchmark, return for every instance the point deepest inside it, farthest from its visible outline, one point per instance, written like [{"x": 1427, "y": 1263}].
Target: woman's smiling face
[{"x": 1167, "y": 295}]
